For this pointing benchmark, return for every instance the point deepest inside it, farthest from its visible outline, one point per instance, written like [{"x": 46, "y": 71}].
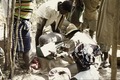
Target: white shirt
[
  {"x": 82, "y": 38},
  {"x": 49, "y": 11},
  {"x": 91, "y": 74}
]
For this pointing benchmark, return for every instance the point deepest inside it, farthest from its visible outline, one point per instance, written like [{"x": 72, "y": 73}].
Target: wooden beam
[{"x": 114, "y": 42}]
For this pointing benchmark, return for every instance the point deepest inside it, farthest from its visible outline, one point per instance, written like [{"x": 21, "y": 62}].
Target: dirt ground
[{"x": 105, "y": 73}]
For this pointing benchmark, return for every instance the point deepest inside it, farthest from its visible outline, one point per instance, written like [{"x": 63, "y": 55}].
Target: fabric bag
[{"x": 59, "y": 73}]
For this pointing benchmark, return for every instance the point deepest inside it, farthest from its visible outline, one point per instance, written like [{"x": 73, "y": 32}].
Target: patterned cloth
[
  {"x": 49, "y": 11},
  {"x": 59, "y": 73},
  {"x": 26, "y": 8},
  {"x": 90, "y": 14},
  {"x": 24, "y": 39},
  {"x": 84, "y": 55}
]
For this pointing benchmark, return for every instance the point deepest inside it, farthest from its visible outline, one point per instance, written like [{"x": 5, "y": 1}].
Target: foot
[
  {"x": 106, "y": 64},
  {"x": 24, "y": 66}
]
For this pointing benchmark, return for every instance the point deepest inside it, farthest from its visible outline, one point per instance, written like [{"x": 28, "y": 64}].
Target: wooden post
[
  {"x": 114, "y": 42},
  {"x": 10, "y": 38},
  {"x": 16, "y": 39},
  {"x": 5, "y": 49},
  {"x": 7, "y": 54}
]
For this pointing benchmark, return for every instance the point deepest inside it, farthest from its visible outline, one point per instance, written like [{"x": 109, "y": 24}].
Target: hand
[{"x": 52, "y": 53}]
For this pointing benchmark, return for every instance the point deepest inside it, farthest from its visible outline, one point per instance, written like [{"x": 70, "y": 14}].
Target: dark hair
[
  {"x": 73, "y": 78},
  {"x": 67, "y": 5}
]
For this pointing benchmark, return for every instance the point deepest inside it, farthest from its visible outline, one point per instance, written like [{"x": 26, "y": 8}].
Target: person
[
  {"x": 24, "y": 25},
  {"x": 90, "y": 15},
  {"x": 76, "y": 12},
  {"x": 104, "y": 56},
  {"x": 104, "y": 33},
  {"x": 51, "y": 15},
  {"x": 73, "y": 33},
  {"x": 82, "y": 43},
  {"x": 78, "y": 37}
]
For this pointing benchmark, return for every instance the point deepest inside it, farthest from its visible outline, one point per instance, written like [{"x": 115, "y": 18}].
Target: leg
[
  {"x": 91, "y": 33},
  {"x": 106, "y": 60},
  {"x": 26, "y": 43},
  {"x": 26, "y": 59},
  {"x": 105, "y": 55}
]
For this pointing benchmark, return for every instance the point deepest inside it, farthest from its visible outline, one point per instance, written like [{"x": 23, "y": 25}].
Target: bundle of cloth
[{"x": 59, "y": 73}]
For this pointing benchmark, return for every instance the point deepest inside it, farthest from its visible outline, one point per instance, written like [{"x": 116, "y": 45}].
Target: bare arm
[
  {"x": 53, "y": 27},
  {"x": 40, "y": 27}
]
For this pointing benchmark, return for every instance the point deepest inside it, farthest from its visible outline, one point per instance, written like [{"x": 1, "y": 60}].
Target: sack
[
  {"x": 51, "y": 37},
  {"x": 59, "y": 73},
  {"x": 82, "y": 57}
]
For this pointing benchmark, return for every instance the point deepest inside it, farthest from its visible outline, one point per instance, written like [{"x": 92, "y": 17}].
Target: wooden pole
[
  {"x": 4, "y": 37},
  {"x": 15, "y": 42},
  {"x": 10, "y": 39},
  {"x": 114, "y": 42},
  {"x": 7, "y": 55}
]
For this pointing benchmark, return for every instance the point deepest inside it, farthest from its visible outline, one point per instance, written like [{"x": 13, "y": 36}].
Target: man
[
  {"x": 90, "y": 15},
  {"x": 51, "y": 15},
  {"x": 24, "y": 40},
  {"x": 76, "y": 12},
  {"x": 73, "y": 33},
  {"x": 105, "y": 28}
]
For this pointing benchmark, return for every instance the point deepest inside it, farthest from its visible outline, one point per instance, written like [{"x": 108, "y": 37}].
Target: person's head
[
  {"x": 64, "y": 7},
  {"x": 71, "y": 30}
]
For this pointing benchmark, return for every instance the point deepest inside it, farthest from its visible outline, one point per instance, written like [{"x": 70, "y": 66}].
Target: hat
[
  {"x": 67, "y": 5},
  {"x": 71, "y": 28}
]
